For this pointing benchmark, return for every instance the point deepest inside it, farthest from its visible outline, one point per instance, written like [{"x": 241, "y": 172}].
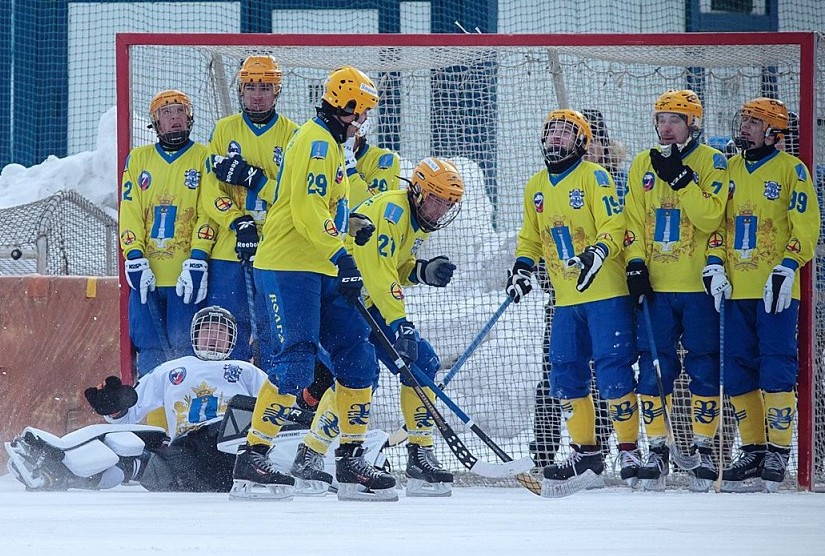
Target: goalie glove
[
  {"x": 360, "y": 227},
  {"x": 590, "y": 262},
  {"x": 247, "y": 238},
  {"x": 778, "y": 289},
  {"x": 192, "y": 279},
  {"x": 668, "y": 165},
  {"x": 518, "y": 281},
  {"x": 716, "y": 284},
  {"x": 112, "y": 397},
  {"x": 349, "y": 156},
  {"x": 436, "y": 272},
  {"x": 140, "y": 277},
  {"x": 406, "y": 343},
  {"x": 235, "y": 170}
]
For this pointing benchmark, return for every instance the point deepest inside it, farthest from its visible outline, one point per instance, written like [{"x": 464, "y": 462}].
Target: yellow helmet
[
  {"x": 168, "y": 98},
  {"x": 350, "y": 90},
  {"x": 771, "y": 111},
  {"x": 259, "y": 69},
  {"x": 436, "y": 190},
  {"x": 684, "y": 102},
  {"x": 584, "y": 135}
]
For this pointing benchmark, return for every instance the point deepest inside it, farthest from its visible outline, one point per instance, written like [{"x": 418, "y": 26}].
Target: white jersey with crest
[{"x": 192, "y": 392}]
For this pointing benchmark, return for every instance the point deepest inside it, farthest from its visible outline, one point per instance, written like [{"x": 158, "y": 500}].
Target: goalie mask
[
  {"x": 757, "y": 120},
  {"x": 684, "y": 103},
  {"x": 435, "y": 193},
  {"x": 214, "y": 331},
  {"x": 259, "y": 84},
  {"x": 347, "y": 92},
  {"x": 566, "y": 134},
  {"x": 172, "y": 117}
]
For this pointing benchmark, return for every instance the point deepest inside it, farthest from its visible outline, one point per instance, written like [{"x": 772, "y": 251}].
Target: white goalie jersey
[{"x": 191, "y": 392}]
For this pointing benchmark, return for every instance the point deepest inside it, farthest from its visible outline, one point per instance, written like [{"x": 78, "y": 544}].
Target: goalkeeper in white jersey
[
  {"x": 773, "y": 224},
  {"x": 238, "y": 185},
  {"x": 573, "y": 219},
  {"x": 675, "y": 203},
  {"x": 165, "y": 238},
  {"x": 185, "y": 398},
  {"x": 404, "y": 220}
]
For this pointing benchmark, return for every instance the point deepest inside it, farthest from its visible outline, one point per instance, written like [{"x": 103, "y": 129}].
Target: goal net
[{"x": 480, "y": 100}]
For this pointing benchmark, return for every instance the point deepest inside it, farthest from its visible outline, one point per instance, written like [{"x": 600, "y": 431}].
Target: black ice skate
[
  {"x": 359, "y": 480},
  {"x": 744, "y": 473},
  {"x": 582, "y": 469},
  {"x": 702, "y": 477},
  {"x": 255, "y": 476},
  {"x": 425, "y": 476},
  {"x": 308, "y": 470},
  {"x": 653, "y": 473},
  {"x": 630, "y": 459},
  {"x": 773, "y": 467}
]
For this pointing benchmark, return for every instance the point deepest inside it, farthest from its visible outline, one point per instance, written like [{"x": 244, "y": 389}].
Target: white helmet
[{"x": 213, "y": 333}]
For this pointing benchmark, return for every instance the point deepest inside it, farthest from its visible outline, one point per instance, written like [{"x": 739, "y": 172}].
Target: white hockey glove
[
  {"x": 590, "y": 262},
  {"x": 716, "y": 283},
  {"x": 192, "y": 279},
  {"x": 349, "y": 156},
  {"x": 140, "y": 277},
  {"x": 778, "y": 288},
  {"x": 436, "y": 272}
]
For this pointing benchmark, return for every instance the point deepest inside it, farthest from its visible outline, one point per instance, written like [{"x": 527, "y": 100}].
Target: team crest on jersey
[
  {"x": 339, "y": 175},
  {"x": 191, "y": 178},
  {"x": 715, "y": 240},
  {"x": 330, "y": 228},
  {"x": 234, "y": 149},
  {"x": 128, "y": 237},
  {"x": 419, "y": 241},
  {"x": 277, "y": 155},
  {"x": 231, "y": 372},
  {"x": 144, "y": 180},
  {"x": 648, "y": 180},
  {"x": 206, "y": 232},
  {"x": 223, "y": 204},
  {"x": 793, "y": 246},
  {"x": 629, "y": 238},
  {"x": 538, "y": 202},
  {"x": 396, "y": 291},
  {"x": 177, "y": 375},
  {"x": 577, "y": 198},
  {"x": 772, "y": 190}
]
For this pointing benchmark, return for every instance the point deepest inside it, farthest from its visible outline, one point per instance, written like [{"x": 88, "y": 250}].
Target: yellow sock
[
  {"x": 780, "y": 408},
  {"x": 269, "y": 414},
  {"x": 750, "y": 417},
  {"x": 624, "y": 413},
  {"x": 705, "y": 415},
  {"x": 353, "y": 409},
  {"x": 653, "y": 415},
  {"x": 324, "y": 428},
  {"x": 418, "y": 420},
  {"x": 580, "y": 416}
]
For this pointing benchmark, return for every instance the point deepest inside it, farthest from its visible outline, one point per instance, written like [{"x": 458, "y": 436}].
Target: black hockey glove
[
  {"x": 638, "y": 281},
  {"x": 247, "y": 238},
  {"x": 436, "y": 272},
  {"x": 518, "y": 281},
  {"x": 349, "y": 279},
  {"x": 670, "y": 168},
  {"x": 406, "y": 343},
  {"x": 589, "y": 262},
  {"x": 236, "y": 171},
  {"x": 111, "y": 397},
  {"x": 360, "y": 227}
]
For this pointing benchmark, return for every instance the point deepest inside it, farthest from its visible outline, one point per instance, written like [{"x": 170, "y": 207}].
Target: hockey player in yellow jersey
[
  {"x": 773, "y": 223},
  {"x": 573, "y": 219},
  {"x": 247, "y": 149},
  {"x": 403, "y": 220},
  {"x": 674, "y": 205},
  {"x": 308, "y": 284},
  {"x": 371, "y": 169},
  {"x": 164, "y": 238}
]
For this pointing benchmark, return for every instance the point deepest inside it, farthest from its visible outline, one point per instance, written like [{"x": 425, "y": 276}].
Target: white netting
[{"x": 483, "y": 107}]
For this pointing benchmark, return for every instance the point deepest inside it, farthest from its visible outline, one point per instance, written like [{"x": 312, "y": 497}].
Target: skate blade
[
  {"x": 560, "y": 489},
  {"x": 305, "y": 487},
  {"x": 352, "y": 492},
  {"x": 418, "y": 487},
  {"x": 248, "y": 490},
  {"x": 18, "y": 468},
  {"x": 746, "y": 486},
  {"x": 654, "y": 485},
  {"x": 700, "y": 485},
  {"x": 632, "y": 482},
  {"x": 771, "y": 486}
]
